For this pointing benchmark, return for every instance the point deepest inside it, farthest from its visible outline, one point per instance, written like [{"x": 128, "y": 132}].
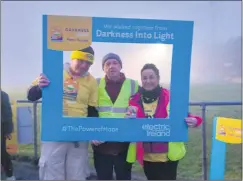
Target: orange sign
[{"x": 68, "y": 33}]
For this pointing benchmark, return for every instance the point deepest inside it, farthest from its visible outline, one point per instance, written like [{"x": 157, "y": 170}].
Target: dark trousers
[
  {"x": 5, "y": 157},
  {"x": 161, "y": 170},
  {"x": 104, "y": 165}
]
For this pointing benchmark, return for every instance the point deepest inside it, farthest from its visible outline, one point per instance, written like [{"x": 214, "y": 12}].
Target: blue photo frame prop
[{"x": 55, "y": 127}]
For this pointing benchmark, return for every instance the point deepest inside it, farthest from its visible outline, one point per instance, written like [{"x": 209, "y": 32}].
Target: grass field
[{"x": 191, "y": 166}]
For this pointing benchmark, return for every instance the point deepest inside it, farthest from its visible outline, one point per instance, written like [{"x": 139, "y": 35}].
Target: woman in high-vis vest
[{"x": 159, "y": 159}]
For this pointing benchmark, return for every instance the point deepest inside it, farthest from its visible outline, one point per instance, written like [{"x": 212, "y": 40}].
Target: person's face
[
  {"x": 112, "y": 68},
  {"x": 149, "y": 79},
  {"x": 80, "y": 66}
]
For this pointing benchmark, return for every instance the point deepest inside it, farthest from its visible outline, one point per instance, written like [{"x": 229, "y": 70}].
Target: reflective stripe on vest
[
  {"x": 98, "y": 81},
  {"x": 133, "y": 87},
  {"x": 112, "y": 109}
]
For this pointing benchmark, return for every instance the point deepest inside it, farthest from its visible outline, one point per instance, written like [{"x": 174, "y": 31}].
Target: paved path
[{"x": 27, "y": 171}]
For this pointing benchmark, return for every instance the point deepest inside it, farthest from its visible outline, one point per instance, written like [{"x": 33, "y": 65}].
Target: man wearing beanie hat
[
  {"x": 115, "y": 91},
  {"x": 111, "y": 56},
  {"x": 69, "y": 160}
]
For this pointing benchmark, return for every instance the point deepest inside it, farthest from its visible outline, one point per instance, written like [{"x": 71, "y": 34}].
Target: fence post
[
  {"x": 204, "y": 144},
  {"x": 35, "y": 131}
]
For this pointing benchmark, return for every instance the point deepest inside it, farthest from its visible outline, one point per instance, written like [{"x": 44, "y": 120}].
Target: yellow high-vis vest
[
  {"x": 117, "y": 110},
  {"x": 176, "y": 150}
]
